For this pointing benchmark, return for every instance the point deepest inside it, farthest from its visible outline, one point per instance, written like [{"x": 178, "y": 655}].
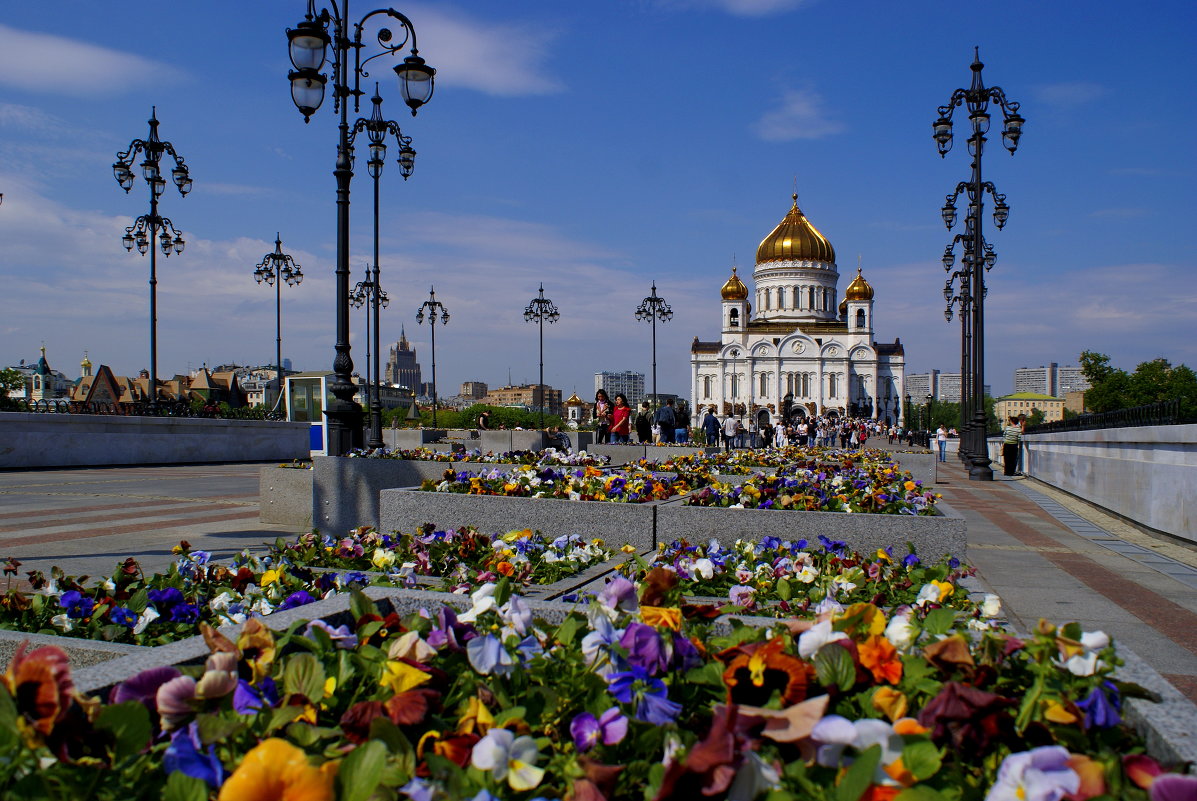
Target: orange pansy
[
  {"x": 879, "y": 656},
  {"x": 275, "y": 770}
]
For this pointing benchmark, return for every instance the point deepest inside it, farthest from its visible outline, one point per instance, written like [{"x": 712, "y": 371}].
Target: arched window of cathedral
[
  {"x": 706, "y": 386},
  {"x": 831, "y": 384},
  {"x": 765, "y": 305},
  {"x": 735, "y": 385},
  {"x": 733, "y": 319},
  {"x": 860, "y": 318},
  {"x": 764, "y": 384},
  {"x": 796, "y": 302}
]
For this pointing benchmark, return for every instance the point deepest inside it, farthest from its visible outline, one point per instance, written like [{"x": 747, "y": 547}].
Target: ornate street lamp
[
  {"x": 274, "y": 270},
  {"x": 651, "y": 309},
  {"x": 151, "y": 231},
  {"x": 435, "y": 308},
  {"x": 539, "y": 310},
  {"x": 369, "y": 293},
  {"x": 978, "y": 253},
  {"x": 309, "y": 43}
]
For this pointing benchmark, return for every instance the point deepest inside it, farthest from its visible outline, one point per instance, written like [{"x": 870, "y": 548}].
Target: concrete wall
[
  {"x": 80, "y": 440},
  {"x": 1146, "y": 474}
]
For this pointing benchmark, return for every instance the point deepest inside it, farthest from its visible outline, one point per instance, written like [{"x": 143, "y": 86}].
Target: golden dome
[
  {"x": 844, "y": 307},
  {"x": 734, "y": 289},
  {"x": 86, "y": 361},
  {"x": 574, "y": 400},
  {"x": 795, "y": 238},
  {"x": 859, "y": 289}
]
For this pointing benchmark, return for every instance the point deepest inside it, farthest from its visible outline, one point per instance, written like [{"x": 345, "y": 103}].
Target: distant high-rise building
[
  {"x": 627, "y": 382},
  {"x": 941, "y": 386},
  {"x": 474, "y": 390},
  {"x": 402, "y": 368},
  {"x": 1052, "y": 380}
]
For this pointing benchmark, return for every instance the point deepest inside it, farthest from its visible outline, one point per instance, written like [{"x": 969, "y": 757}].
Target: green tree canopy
[{"x": 1152, "y": 381}]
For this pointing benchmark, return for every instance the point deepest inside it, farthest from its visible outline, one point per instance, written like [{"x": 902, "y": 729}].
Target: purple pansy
[
  {"x": 643, "y": 645},
  {"x": 249, "y": 700},
  {"x": 1101, "y": 707},
  {"x": 143, "y": 687},
  {"x": 341, "y": 636},
  {"x": 299, "y": 598},
  {"x": 588, "y": 731},
  {"x": 186, "y": 755}
]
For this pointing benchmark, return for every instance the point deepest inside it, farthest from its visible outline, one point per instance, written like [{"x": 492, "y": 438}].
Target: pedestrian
[
  {"x": 710, "y": 427},
  {"x": 941, "y": 439},
  {"x": 644, "y": 423},
  {"x": 731, "y": 429},
  {"x": 766, "y": 434},
  {"x": 483, "y": 420},
  {"x": 602, "y": 416},
  {"x": 1011, "y": 439},
  {"x": 752, "y": 431},
  {"x": 621, "y": 420},
  {"x": 667, "y": 420},
  {"x": 681, "y": 425},
  {"x": 781, "y": 436},
  {"x": 854, "y": 438}
]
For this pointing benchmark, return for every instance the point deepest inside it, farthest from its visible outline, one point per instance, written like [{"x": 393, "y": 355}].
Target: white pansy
[
  {"x": 146, "y": 618},
  {"x": 807, "y": 574},
  {"x": 704, "y": 568},
  {"x": 900, "y": 632},
  {"x": 813, "y": 639},
  {"x": 991, "y": 606},
  {"x": 484, "y": 601},
  {"x": 62, "y": 622}
]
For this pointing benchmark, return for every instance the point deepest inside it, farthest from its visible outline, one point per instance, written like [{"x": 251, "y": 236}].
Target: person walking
[
  {"x": 644, "y": 423},
  {"x": 941, "y": 440},
  {"x": 711, "y": 427},
  {"x": 1011, "y": 439},
  {"x": 602, "y": 416},
  {"x": 681, "y": 425},
  {"x": 666, "y": 419},
  {"x": 621, "y": 420},
  {"x": 731, "y": 427}
]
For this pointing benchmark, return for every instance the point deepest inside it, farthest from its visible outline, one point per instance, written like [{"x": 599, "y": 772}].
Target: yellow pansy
[
  {"x": 401, "y": 677},
  {"x": 270, "y": 577}
]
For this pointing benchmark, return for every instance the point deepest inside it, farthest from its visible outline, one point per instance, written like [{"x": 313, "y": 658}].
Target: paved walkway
[
  {"x": 1049, "y": 555},
  {"x": 1045, "y": 553}
]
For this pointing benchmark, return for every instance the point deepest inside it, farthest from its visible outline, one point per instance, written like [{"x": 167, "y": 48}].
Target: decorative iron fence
[
  {"x": 1166, "y": 413},
  {"x": 142, "y": 409}
]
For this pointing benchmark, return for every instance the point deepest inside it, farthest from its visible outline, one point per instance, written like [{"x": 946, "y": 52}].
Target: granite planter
[
  {"x": 920, "y": 465},
  {"x": 932, "y": 536},
  {"x": 285, "y": 496},
  {"x": 345, "y": 490},
  {"x": 617, "y": 524},
  {"x": 407, "y": 438}
]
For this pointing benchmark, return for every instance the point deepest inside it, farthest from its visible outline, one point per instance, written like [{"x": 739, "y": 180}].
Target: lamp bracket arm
[
  {"x": 1008, "y": 106},
  {"x": 384, "y": 40},
  {"x": 128, "y": 156}
]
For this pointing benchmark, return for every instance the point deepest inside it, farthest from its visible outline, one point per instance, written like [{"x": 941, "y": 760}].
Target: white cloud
[
  {"x": 743, "y": 8},
  {"x": 42, "y": 62},
  {"x": 1068, "y": 94},
  {"x": 799, "y": 115},
  {"x": 506, "y": 59}
]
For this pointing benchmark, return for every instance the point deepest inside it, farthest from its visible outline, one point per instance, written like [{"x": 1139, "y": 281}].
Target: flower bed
[
  {"x": 883, "y": 490},
  {"x": 549, "y": 456},
  {"x": 786, "y": 578},
  {"x": 456, "y": 559},
  {"x": 626, "y": 699},
  {"x": 586, "y": 484},
  {"x": 134, "y": 608},
  {"x": 748, "y": 461}
]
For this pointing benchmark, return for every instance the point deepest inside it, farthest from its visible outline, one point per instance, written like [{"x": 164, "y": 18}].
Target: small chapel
[{"x": 792, "y": 343}]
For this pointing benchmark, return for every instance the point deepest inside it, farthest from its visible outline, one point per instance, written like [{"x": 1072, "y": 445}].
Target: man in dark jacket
[
  {"x": 711, "y": 427},
  {"x": 666, "y": 419}
]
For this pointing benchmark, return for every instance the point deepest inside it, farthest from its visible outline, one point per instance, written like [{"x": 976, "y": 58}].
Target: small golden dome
[
  {"x": 859, "y": 289},
  {"x": 86, "y": 361},
  {"x": 574, "y": 400},
  {"x": 844, "y": 307},
  {"x": 795, "y": 238},
  {"x": 734, "y": 289}
]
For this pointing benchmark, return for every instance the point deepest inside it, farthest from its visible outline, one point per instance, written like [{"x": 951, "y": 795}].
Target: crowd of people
[{"x": 846, "y": 432}]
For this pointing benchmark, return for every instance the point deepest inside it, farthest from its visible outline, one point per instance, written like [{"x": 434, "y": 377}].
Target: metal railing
[
  {"x": 1165, "y": 413},
  {"x": 140, "y": 409}
]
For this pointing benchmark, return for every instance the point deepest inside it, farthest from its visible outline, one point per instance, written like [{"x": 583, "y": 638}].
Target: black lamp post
[
  {"x": 150, "y": 231},
  {"x": 909, "y": 412},
  {"x": 930, "y": 407},
  {"x": 435, "y": 308},
  {"x": 539, "y": 310},
  {"x": 308, "y": 44},
  {"x": 977, "y": 99},
  {"x": 274, "y": 270},
  {"x": 651, "y": 309},
  {"x": 370, "y": 293}
]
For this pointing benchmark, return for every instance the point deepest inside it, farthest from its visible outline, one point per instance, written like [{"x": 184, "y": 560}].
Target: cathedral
[{"x": 798, "y": 346}]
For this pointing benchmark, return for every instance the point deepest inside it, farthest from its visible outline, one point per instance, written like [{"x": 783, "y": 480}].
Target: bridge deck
[{"x": 1046, "y": 554}]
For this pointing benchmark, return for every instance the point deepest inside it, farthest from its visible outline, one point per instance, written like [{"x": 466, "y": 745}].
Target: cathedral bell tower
[
  {"x": 736, "y": 308},
  {"x": 858, "y": 300}
]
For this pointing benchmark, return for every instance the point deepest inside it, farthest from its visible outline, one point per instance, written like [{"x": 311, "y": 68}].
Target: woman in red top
[{"x": 621, "y": 420}]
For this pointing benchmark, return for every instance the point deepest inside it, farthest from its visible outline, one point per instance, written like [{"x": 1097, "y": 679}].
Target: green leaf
[
  {"x": 181, "y": 787},
  {"x": 859, "y": 774},
  {"x": 710, "y": 675},
  {"x": 216, "y": 729},
  {"x": 384, "y": 730},
  {"x": 511, "y": 713},
  {"x": 302, "y": 734},
  {"x": 360, "y": 605},
  {"x": 922, "y": 759},
  {"x": 130, "y": 726},
  {"x": 834, "y": 665},
  {"x": 783, "y": 589},
  {"x": 304, "y": 676},
  {"x": 369, "y": 630},
  {"x": 567, "y": 630},
  {"x": 361, "y": 771},
  {"x": 502, "y": 591},
  {"x": 920, "y": 792},
  {"x": 939, "y": 621}
]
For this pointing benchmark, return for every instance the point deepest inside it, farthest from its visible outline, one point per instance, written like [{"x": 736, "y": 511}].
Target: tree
[
  {"x": 10, "y": 381},
  {"x": 1036, "y": 416},
  {"x": 1153, "y": 381},
  {"x": 1108, "y": 386}
]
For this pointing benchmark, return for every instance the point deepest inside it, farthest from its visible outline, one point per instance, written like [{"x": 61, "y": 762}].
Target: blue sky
[{"x": 598, "y": 147}]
